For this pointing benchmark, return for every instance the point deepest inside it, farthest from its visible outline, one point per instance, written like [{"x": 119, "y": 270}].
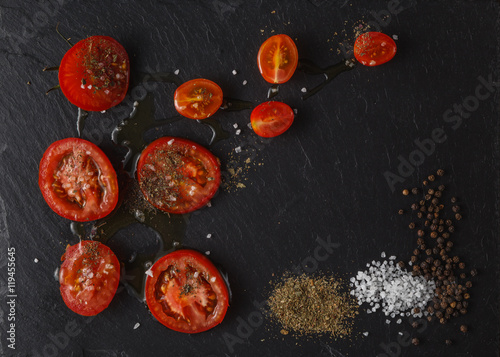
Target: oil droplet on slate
[
  {"x": 330, "y": 73},
  {"x": 273, "y": 91},
  {"x": 80, "y": 121}
]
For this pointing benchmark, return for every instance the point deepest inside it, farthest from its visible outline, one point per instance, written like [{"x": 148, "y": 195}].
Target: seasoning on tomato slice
[
  {"x": 277, "y": 59},
  {"x": 186, "y": 292},
  {"x": 177, "y": 175},
  {"x": 374, "y": 48},
  {"x": 77, "y": 180},
  {"x": 89, "y": 277},
  {"x": 271, "y": 119},
  {"x": 94, "y": 73},
  {"x": 198, "y": 98}
]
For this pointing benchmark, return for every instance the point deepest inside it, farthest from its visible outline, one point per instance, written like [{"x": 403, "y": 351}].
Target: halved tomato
[
  {"x": 374, "y": 48},
  {"x": 177, "y": 175},
  {"x": 89, "y": 277},
  {"x": 94, "y": 73},
  {"x": 186, "y": 292},
  {"x": 277, "y": 59},
  {"x": 198, "y": 98},
  {"x": 77, "y": 180},
  {"x": 271, "y": 119}
]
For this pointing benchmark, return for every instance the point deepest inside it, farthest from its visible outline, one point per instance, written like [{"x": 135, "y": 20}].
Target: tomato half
[
  {"x": 89, "y": 277},
  {"x": 198, "y": 98},
  {"x": 277, "y": 59},
  {"x": 186, "y": 292},
  {"x": 94, "y": 73},
  {"x": 77, "y": 180},
  {"x": 374, "y": 48},
  {"x": 177, "y": 175},
  {"x": 271, "y": 119}
]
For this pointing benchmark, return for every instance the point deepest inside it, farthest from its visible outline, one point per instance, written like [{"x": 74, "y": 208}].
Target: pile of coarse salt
[{"x": 397, "y": 292}]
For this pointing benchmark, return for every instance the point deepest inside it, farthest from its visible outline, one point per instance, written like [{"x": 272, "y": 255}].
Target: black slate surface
[{"x": 324, "y": 178}]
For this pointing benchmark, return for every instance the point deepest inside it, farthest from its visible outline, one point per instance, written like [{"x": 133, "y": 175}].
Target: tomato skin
[
  {"x": 94, "y": 74},
  {"x": 177, "y": 175},
  {"x": 277, "y": 59},
  {"x": 198, "y": 98},
  {"x": 271, "y": 119},
  {"x": 89, "y": 277},
  {"x": 78, "y": 169},
  {"x": 185, "y": 301},
  {"x": 374, "y": 48}
]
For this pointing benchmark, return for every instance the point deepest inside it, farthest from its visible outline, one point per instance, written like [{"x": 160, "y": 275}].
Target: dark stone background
[{"x": 323, "y": 178}]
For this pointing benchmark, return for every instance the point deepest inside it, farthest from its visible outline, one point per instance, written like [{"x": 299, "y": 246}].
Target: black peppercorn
[
  {"x": 441, "y": 187},
  {"x": 414, "y": 190},
  {"x": 451, "y": 229},
  {"x": 415, "y": 341},
  {"x": 440, "y": 172},
  {"x": 425, "y": 182},
  {"x": 431, "y": 178},
  {"x": 461, "y": 265},
  {"x": 420, "y": 233},
  {"x": 473, "y": 272},
  {"x": 419, "y": 215},
  {"x": 411, "y": 225},
  {"x": 458, "y": 216},
  {"x": 406, "y": 192},
  {"x": 463, "y": 328},
  {"x": 448, "y": 342},
  {"x": 414, "y": 206},
  {"x": 468, "y": 284},
  {"x": 401, "y": 211},
  {"x": 434, "y": 234}
]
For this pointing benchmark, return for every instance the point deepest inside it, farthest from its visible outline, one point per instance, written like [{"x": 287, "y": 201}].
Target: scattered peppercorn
[
  {"x": 401, "y": 211},
  {"x": 415, "y": 341},
  {"x": 440, "y": 172},
  {"x": 406, "y": 192},
  {"x": 463, "y": 328}
]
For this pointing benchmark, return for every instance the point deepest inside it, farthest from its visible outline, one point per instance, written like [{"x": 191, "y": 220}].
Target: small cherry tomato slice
[
  {"x": 94, "y": 73},
  {"x": 277, "y": 59},
  {"x": 89, "y": 277},
  {"x": 271, "y": 119},
  {"x": 374, "y": 48},
  {"x": 177, "y": 175},
  {"x": 186, "y": 292},
  {"x": 77, "y": 180},
  {"x": 198, "y": 98}
]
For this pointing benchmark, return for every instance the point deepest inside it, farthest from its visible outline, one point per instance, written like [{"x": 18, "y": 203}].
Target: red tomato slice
[
  {"x": 198, "y": 98},
  {"x": 177, "y": 175},
  {"x": 186, "y": 292},
  {"x": 94, "y": 73},
  {"x": 277, "y": 59},
  {"x": 271, "y": 119},
  {"x": 89, "y": 277},
  {"x": 374, "y": 48},
  {"x": 77, "y": 180}
]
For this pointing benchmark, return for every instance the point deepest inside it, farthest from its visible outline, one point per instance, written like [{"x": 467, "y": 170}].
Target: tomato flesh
[
  {"x": 94, "y": 73},
  {"x": 77, "y": 180},
  {"x": 186, "y": 292},
  {"x": 89, "y": 277},
  {"x": 277, "y": 59},
  {"x": 271, "y": 119},
  {"x": 177, "y": 175},
  {"x": 374, "y": 48},
  {"x": 198, "y": 98}
]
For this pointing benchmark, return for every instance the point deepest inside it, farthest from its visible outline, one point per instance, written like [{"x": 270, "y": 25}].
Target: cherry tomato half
[
  {"x": 271, "y": 119},
  {"x": 198, "y": 98},
  {"x": 177, "y": 175},
  {"x": 277, "y": 59},
  {"x": 94, "y": 73},
  {"x": 89, "y": 277},
  {"x": 374, "y": 48},
  {"x": 77, "y": 180},
  {"x": 186, "y": 292}
]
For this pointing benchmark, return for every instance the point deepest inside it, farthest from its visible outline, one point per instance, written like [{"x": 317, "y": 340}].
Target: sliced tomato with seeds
[
  {"x": 77, "y": 180},
  {"x": 94, "y": 74},
  {"x": 198, "y": 98},
  {"x": 271, "y": 119},
  {"x": 88, "y": 277},
  {"x": 177, "y": 175},
  {"x": 186, "y": 292},
  {"x": 374, "y": 48},
  {"x": 277, "y": 59}
]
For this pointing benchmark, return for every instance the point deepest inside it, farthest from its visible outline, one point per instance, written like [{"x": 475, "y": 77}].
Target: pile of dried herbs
[{"x": 313, "y": 305}]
